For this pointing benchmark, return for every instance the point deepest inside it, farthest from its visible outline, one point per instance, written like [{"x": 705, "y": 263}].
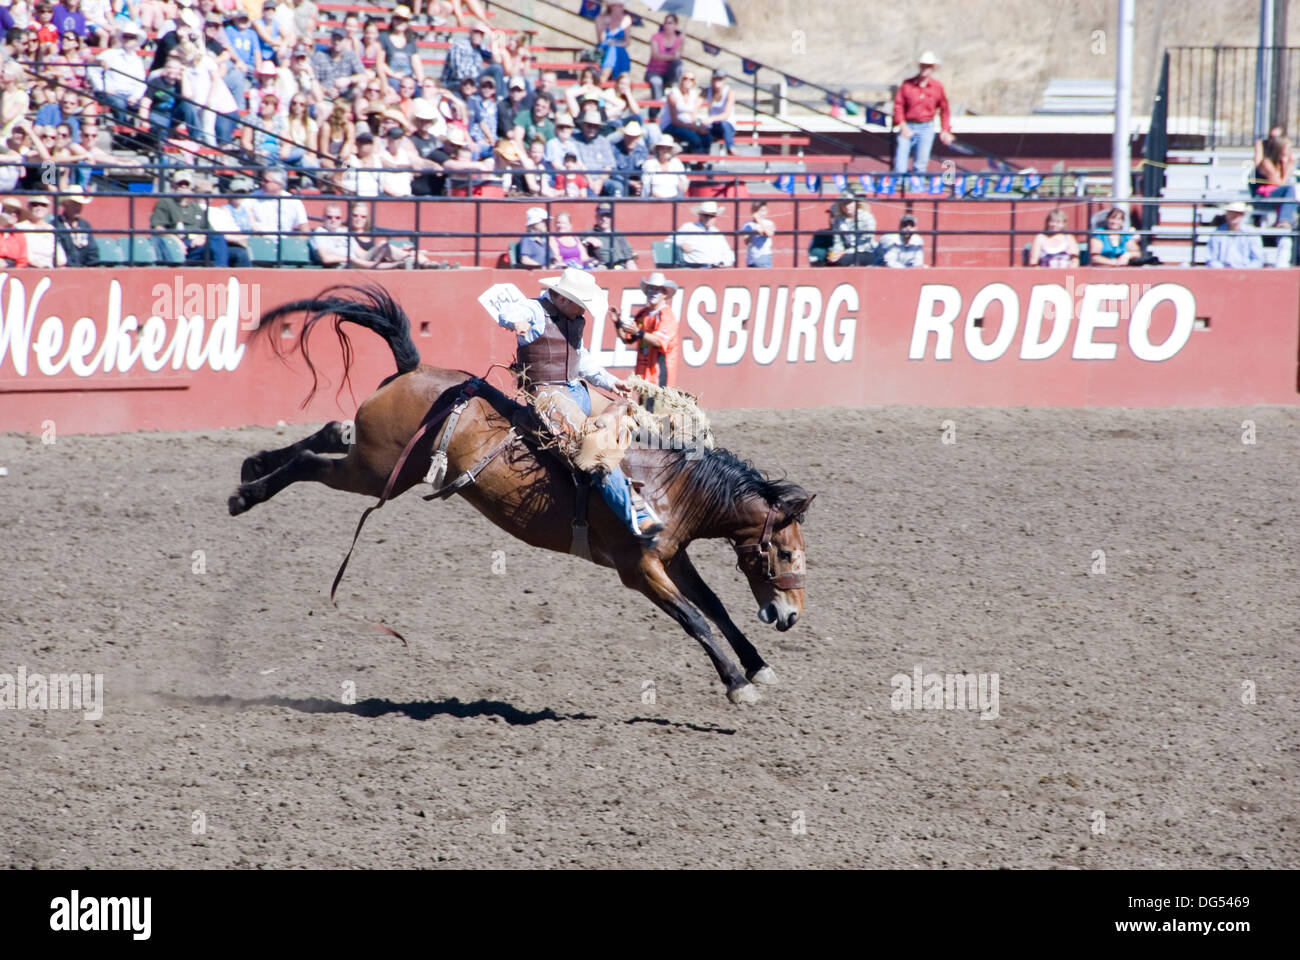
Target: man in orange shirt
[
  {"x": 918, "y": 99},
  {"x": 653, "y": 332}
]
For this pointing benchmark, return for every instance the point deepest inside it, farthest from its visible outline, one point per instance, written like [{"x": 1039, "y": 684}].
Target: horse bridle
[{"x": 762, "y": 556}]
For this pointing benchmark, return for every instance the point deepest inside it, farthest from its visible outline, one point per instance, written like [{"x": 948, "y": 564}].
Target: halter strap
[{"x": 761, "y": 553}]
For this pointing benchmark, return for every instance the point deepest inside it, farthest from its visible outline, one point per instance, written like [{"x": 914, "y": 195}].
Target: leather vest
[{"x": 553, "y": 356}]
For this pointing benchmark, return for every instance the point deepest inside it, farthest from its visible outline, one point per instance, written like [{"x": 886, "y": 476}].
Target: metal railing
[
  {"x": 800, "y": 229},
  {"x": 1224, "y": 96}
]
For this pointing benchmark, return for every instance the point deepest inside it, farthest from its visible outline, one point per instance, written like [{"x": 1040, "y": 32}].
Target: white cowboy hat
[
  {"x": 631, "y": 129},
  {"x": 709, "y": 207},
  {"x": 425, "y": 110},
  {"x": 591, "y": 115},
  {"x": 666, "y": 141},
  {"x": 657, "y": 279},
  {"x": 1236, "y": 206},
  {"x": 928, "y": 58},
  {"x": 535, "y": 215},
  {"x": 580, "y": 287}
]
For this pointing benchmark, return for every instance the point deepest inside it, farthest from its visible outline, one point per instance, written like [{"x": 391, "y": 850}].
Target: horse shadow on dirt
[{"x": 423, "y": 710}]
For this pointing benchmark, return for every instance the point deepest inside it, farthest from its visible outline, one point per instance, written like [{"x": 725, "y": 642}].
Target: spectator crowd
[{"x": 96, "y": 90}]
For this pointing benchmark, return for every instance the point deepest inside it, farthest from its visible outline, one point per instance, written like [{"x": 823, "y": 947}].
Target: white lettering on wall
[
  {"x": 82, "y": 350},
  {"x": 928, "y": 322}
]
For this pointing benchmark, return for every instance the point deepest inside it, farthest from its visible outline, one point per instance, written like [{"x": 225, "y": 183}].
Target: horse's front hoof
[
  {"x": 745, "y": 695},
  {"x": 764, "y": 674},
  {"x": 237, "y": 504}
]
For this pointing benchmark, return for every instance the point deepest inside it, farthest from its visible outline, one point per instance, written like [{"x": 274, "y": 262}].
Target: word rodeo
[{"x": 1095, "y": 309}]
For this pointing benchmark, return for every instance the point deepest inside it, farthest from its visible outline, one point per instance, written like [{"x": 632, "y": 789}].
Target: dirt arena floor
[{"x": 515, "y": 731}]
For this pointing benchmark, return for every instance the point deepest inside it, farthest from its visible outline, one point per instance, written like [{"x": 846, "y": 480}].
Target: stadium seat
[
  {"x": 111, "y": 249},
  {"x": 514, "y": 254},
  {"x": 263, "y": 251},
  {"x": 172, "y": 250},
  {"x": 665, "y": 253},
  {"x": 143, "y": 253},
  {"x": 295, "y": 252}
]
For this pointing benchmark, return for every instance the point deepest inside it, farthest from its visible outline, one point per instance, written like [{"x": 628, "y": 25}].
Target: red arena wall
[{"x": 101, "y": 351}]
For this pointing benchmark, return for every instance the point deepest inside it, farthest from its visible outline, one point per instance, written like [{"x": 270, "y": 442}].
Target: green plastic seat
[
  {"x": 143, "y": 252},
  {"x": 173, "y": 250},
  {"x": 263, "y": 250},
  {"x": 294, "y": 252},
  {"x": 665, "y": 253},
  {"x": 111, "y": 249}
]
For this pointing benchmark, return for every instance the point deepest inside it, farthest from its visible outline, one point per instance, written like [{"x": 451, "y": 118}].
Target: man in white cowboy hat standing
[
  {"x": 701, "y": 243},
  {"x": 918, "y": 99},
  {"x": 554, "y": 367},
  {"x": 652, "y": 331}
]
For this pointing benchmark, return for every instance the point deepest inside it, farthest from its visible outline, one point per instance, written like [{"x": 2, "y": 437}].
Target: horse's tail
[{"x": 368, "y": 306}]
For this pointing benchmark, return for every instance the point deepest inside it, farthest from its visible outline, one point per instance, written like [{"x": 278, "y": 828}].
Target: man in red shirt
[
  {"x": 918, "y": 99},
  {"x": 652, "y": 331}
]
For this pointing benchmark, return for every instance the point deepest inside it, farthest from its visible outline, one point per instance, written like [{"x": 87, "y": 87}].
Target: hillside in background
[{"x": 998, "y": 55}]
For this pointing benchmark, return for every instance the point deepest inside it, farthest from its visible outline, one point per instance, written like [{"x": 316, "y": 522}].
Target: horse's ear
[{"x": 795, "y": 510}]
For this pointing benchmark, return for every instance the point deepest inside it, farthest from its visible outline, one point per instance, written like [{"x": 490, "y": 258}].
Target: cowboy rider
[{"x": 555, "y": 367}]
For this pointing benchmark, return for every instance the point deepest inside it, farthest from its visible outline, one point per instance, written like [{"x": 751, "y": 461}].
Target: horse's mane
[{"x": 718, "y": 479}]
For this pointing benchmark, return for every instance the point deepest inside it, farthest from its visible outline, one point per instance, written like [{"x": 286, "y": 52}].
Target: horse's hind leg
[
  {"x": 350, "y": 473},
  {"x": 652, "y": 580},
  {"x": 328, "y": 439},
  {"x": 693, "y": 587}
]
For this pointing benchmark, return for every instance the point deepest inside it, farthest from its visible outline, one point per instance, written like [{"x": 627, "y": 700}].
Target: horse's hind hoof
[
  {"x": 237, "y": 504},
  {"x": 252, "y": 469},
  {"x": 745, "y": 695},
  {"x": 763, "y": 674}
]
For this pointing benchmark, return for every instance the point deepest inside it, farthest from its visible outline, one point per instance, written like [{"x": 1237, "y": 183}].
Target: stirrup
[{"x": 648, "y": 521}]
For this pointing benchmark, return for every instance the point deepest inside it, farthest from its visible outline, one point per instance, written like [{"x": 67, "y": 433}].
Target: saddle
[{"x": 588, "y": 447}]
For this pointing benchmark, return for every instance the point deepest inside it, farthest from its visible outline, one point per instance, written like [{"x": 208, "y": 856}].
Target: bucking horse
[{"x": 424, "y": 416}]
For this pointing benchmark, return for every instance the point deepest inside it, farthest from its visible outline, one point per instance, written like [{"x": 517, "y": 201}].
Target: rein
[
  {"x": 761, "y": 556},
  {"x": 435, "y": 416}
]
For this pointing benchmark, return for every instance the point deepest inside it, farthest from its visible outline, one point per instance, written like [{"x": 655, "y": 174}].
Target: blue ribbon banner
[
  {"x": 887, "y": 184},
  {"x": 784, "y": 183},
  {"x": 813, "y": 182},
  {"x": 589, "y": 9},
  {"x": 793, "y": 81},
  {"x": 841, "y": 182},
  {"x": 709, "y": 48},
  {"x": 750, "y": 66},
  {"x": 868, "y": 182}
]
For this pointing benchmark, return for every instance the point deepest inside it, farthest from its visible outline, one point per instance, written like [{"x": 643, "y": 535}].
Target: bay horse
[{"x": 700, "y": 493}]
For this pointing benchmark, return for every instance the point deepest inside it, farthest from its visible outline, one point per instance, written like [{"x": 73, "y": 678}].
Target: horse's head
[{"x": 770, "y": 552}]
